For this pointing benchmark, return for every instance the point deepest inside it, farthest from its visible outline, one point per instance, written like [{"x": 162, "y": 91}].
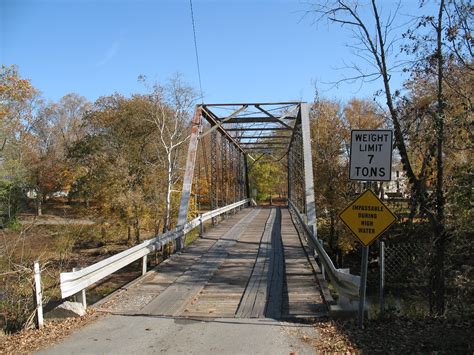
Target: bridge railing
[
  {"x": 346, "y": 285},
  {"x": 72, "y": 283}
]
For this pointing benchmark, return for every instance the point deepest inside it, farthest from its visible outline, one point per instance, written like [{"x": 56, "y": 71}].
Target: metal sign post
[
  {"x": 368, "y": 217},
  {"x": 363, "y": 283}
]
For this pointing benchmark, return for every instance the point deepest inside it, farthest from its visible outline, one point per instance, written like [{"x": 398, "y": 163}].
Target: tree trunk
[
  {"x": 39, "y": 205},
  {"x": 168, "y": 194},
  {"x": 10, "y": 203},
  {"x": 103, "y": 233},
  {"x": 157, "y": 227},
  {"x": 438, "y": 306},
  {"x": 332, "y": 236},
  {"x": 331, "y": 230},
  {"x": 136, "y": 227},
  {"x": 339, "y": 258}
]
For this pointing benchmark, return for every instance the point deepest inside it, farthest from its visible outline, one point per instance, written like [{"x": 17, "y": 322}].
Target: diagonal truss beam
[
  {"x": 212, "y": 119},
  {"x": 224, "y": 120}
]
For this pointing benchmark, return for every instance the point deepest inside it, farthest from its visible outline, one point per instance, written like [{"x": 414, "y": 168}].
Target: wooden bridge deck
[{"x": 251, "y": 265}]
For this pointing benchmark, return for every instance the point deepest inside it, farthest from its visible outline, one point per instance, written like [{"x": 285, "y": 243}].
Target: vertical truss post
[
  {"x": 229, "y": 173},
  {"x": 290, "y": 174},
  {"x": 296, "y": 183},
  {"x": 308, "y": 168},
  {"x": 291, "y": 182},
  {"x": 189, "y": 172},
  {"x": 241, "y": 175},
  {"x": 300, "y": 171},
  {"x": 236, "y": 174},
  {"x": 238, "y": 180},
  {"x": 214, "y": 190},
  {"x": 224, "y": 171},
  {"x": 246, "y": 174}
]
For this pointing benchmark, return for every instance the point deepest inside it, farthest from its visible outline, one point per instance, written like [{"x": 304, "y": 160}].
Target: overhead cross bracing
[{"x": 264, "y": 128}]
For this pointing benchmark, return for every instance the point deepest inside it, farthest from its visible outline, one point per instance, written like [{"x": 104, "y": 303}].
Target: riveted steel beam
[
  {"x": 242, "y": 120},
  {"x": 255, "y": 103},
  {"x": 253, "y": 128},
  {"x": 189, "y": 172}
]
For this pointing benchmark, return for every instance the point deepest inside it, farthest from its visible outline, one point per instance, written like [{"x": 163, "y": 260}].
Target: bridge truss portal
[{"x": 227, "y": 139}]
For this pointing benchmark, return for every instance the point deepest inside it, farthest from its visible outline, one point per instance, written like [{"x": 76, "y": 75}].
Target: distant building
[{"x": 398, "y": 186}]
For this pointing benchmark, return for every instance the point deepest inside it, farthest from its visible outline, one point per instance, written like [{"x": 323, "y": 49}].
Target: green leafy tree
[
  {"x": 268, "y": 177},
  {"x": 17, "y": 97}
]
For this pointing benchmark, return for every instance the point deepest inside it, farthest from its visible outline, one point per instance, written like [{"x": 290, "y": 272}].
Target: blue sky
[{"x": 249, "y": 50}]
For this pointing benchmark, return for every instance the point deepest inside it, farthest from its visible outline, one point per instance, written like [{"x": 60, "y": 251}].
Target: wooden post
[
  {"x": 144, "y": 265},
  {"x": 38, "y": 296},
  {"x": 201, "y": 226},
  {"x": 363, "y": 282},
  {"x": 323, "y": 270},
  {"x": 80, "y": 296}
]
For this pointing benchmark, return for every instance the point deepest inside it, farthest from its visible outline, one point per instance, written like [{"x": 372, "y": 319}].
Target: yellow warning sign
[{"x": 367, "y": 217}]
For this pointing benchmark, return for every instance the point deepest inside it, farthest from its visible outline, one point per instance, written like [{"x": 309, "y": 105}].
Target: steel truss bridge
[{"x": 250, "y": 262}]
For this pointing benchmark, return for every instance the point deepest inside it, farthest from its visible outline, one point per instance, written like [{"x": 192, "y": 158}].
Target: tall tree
[
  {"x": 170, "y": 113},
  {"x": 112, "y": 158},
  {"x": 17, "y": 101}
]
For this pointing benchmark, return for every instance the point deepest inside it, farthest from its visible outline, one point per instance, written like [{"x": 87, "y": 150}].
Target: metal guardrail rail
[
  {"x": 72, "y": 283},
  {"x": 347, "y": 285}
]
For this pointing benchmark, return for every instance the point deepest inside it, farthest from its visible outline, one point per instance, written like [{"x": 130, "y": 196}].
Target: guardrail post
[
  {"x": 144, "y": 265},
  {"x": 323, "y": 270},
  {"x": 38, "y": 296},
  {"x": 201, "y": 226},
  {"x": 80, "y": 296}
]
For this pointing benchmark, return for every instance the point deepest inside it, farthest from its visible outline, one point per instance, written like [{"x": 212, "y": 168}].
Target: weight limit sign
[{"x": 371, "y": 155}]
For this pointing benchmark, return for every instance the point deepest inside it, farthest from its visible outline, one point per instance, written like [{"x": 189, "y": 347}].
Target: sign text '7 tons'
[{"x": 371, "y": 155}]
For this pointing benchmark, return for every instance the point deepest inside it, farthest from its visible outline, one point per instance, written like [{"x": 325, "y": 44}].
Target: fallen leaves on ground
[
  {"x": 395, "y": 336},
  {"x": 30, "y": 340}
]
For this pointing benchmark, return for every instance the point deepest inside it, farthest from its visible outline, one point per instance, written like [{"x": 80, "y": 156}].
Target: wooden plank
[
  {"x": 255, "y": 263},
  {"x": 232, "y": 276},
  {"x": 301, "y": 295},
  {"x": 253, "y": 300},
  {"x": 131, "y": 300},
  {"x": 275, "y": 297},
  {"x": 262, "y": 297},
  {"x": 173, "y": 300}
]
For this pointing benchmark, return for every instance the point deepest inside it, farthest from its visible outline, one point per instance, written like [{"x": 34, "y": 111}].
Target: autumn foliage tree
[
  {"x": 436, "y": 43},
  {"x": 331, "y": 124},
  {"x": 129, "y": 158},
  {"x": 16, "y": 100}
]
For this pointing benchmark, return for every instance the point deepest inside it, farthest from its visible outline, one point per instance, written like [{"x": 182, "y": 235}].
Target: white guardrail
[
  {"x": 347, "y": 285},
  {"x": 74, "y": 282}
]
